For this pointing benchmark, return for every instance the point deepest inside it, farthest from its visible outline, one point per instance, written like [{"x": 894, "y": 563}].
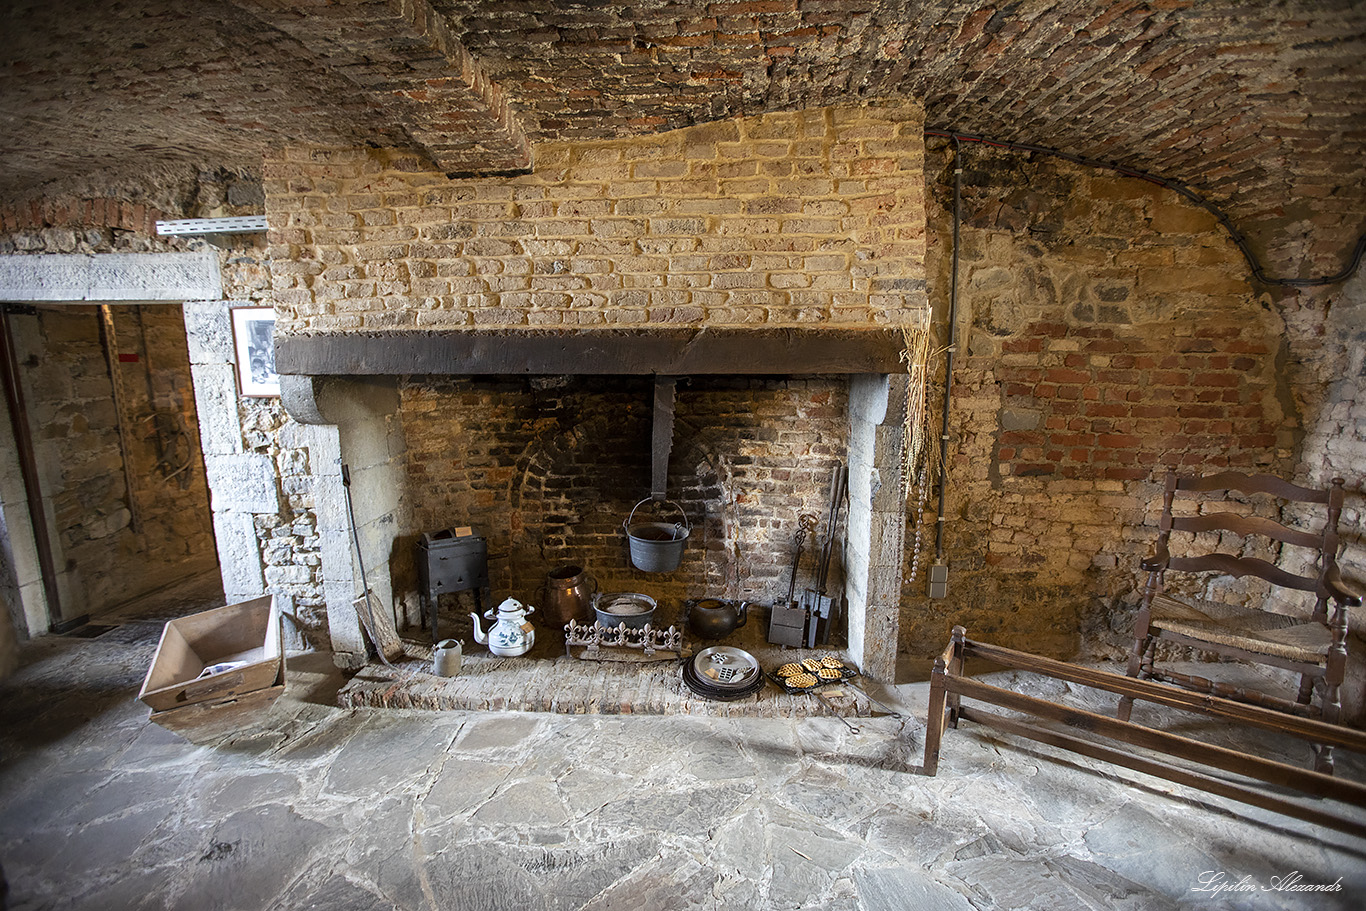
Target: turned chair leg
[
  {"x": 1332, "y": 710},
  {"x": 1306, "y": 689},
  {"x": 1142, "y": 648},
  {"x": 1323, "y": 758},
  {"x": 1145, "y": 671}
]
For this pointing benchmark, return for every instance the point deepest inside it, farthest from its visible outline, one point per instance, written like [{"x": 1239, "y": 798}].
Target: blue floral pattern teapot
[{"x": 511, "y": 633}]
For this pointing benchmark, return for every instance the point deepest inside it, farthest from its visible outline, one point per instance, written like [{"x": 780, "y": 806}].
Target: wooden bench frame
[{"x": 948, "y": 687}]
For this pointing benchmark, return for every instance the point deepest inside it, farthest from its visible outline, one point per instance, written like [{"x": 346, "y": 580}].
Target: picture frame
[{"x": 253, "y": 332}]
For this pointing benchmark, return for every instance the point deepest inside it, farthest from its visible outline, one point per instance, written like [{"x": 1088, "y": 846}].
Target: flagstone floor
[{"x": 316, "y": 806}]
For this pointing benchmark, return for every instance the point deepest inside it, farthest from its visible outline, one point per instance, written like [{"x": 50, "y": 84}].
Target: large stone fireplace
[
  {"x": 715, "y": 315},
  {"x": 547, "y": 468}
]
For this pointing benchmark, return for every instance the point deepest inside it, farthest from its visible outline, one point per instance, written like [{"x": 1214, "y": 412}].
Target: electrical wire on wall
[
  {"x": 939, "y": 570},
  {"x": 1254, "y": 264}
]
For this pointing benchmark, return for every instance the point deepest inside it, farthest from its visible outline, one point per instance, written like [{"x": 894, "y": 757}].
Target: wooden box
[{"x": 246, "y": 636}]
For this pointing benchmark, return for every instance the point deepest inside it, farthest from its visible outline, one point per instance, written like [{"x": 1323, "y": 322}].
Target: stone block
[
  {"x": 215, "y": 394},
  {"x": 342, "y": 623},
  {"x": 208, "y": 331},
  {"x": 239, "y": 555},
  {"x": 868, "y": 398},
  {"x": 279, "y": 576},
  {"x": 888, "y": 440},
  {"x": 1019, "y": 419},
  {"x": 243, "y": 482},
  {"x": 111, "y": 277}
]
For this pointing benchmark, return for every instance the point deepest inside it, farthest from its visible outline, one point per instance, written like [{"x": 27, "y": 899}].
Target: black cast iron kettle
[{"x": 712, "y": 618}]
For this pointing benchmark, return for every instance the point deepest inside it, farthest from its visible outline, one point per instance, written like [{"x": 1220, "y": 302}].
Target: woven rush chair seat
[
  {"x": 1221, "y": 519},
  {"x": 1260, "y": 631}
]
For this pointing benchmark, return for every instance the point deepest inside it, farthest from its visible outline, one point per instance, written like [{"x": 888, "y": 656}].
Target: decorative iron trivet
[{"x": 647, "y": 639}]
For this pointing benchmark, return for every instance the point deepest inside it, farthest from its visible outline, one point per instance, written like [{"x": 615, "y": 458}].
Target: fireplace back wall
[{"x": 547, "y": 469}]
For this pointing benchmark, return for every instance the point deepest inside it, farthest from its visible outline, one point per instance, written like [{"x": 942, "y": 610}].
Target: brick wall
[
  {"x": 74, "y": 214},
  {"x": 123, "y": 219},
  {"x": 777, "y": 219},
  {"x": 1107, "y": 332},
  {"x": 283, "y": 555},
  {"x": 1117, "y": 402},
  {"x": 548, "y": 471}
]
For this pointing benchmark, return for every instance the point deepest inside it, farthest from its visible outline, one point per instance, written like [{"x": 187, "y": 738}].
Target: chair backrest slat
[
  {"x": 1244, "y": 566},
  {"x": 1228, "y": 561},
  {"x": 1247, "y": 483},
  {"x": 1245, "y": 526}
]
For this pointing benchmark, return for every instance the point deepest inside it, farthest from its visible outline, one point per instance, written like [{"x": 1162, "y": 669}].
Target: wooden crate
[
  {"x": 208, "y": 722},
  {"x": 247, "y": 634}
]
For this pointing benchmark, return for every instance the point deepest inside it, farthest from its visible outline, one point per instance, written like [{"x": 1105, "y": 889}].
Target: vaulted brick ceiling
[{"x": 1261, "y": 107}]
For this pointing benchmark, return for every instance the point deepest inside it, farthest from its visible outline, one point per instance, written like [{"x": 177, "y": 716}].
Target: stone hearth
[
  {"x": 573, "y": 686},
  {"x": 546, "y": 679},
  {"x": 541, "y": 471}
]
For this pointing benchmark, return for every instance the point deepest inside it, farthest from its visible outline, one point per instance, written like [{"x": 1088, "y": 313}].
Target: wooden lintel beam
[{"x": 642, "y": 352}]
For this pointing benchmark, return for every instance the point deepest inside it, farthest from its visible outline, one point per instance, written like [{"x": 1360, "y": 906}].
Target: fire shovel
[
  {"x": 816, "y": 602},
  {"x": 369, "y": 611}
]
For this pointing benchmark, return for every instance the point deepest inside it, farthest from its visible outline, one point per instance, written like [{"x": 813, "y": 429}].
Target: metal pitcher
[
  {"x": 712, "y": 618},
  {"x": 447, "y": 658}
]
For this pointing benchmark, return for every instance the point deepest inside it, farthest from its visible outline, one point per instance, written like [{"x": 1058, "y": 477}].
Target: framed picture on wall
[{"x": 253, "y": 330}]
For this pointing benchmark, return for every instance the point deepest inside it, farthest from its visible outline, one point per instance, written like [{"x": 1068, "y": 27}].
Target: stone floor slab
[{"x": 315, "y": 805}]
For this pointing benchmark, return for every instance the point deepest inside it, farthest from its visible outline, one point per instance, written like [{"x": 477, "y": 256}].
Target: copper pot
[{"x": 569, "y": 595}]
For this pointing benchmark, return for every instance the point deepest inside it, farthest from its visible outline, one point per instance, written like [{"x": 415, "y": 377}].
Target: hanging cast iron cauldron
[{"x": 657, "y": 547}]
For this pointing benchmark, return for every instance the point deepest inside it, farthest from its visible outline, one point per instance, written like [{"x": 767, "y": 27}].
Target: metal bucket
[{"x": 657, "y": 547}]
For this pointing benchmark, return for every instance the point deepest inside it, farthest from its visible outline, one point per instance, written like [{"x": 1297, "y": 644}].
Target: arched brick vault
[
  {"x": 1258, "y": 106},
  {"x": 1108, "y": 331}
]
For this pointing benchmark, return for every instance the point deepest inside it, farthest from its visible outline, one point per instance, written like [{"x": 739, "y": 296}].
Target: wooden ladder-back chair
[{"x": 1314, "y": 646}]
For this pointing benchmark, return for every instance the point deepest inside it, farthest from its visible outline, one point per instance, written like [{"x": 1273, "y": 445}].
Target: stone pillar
[
  {"x": 349, "y": 422},
  {"x": 240, "y": 483},
  {"x": 21, "y": 577},
  {"x": 877, "y": 521}
]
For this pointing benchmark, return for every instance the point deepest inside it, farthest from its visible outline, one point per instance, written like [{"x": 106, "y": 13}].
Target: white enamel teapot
[{"x": 511, "y": 634}]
